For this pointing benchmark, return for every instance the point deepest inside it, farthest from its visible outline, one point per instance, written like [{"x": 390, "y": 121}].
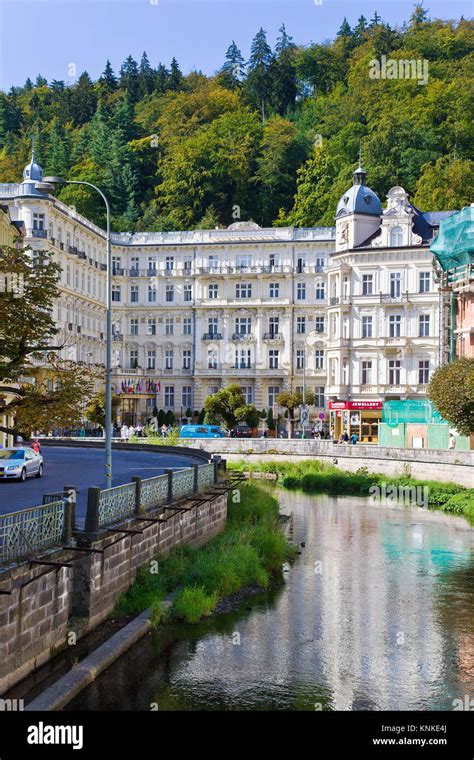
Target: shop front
[
  {"x": 138, "y": 398},
  {"x": 361, "y": 418}
]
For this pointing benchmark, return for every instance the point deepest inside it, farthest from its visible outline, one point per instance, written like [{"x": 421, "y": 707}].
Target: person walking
[
  {"x": 451, "y": 442},
  {"x": 36, "y": 446}
]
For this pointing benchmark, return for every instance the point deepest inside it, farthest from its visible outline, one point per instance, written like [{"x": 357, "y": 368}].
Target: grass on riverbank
[
  {"x": 315, "y": 476},
  {"x": 250, "y": 551}
]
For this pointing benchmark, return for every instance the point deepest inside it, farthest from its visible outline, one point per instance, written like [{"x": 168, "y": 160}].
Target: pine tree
[
  {"x": 419, "y": 16},
  {"x": 129, "y": 78},
  {"x": 233, "y": 70},
  {"x": 83, "y": 100},
  {"x": 282, "y": 73},
  {"x": 59, "y": 151},
  {"x": 375, "y": 20},
  {"x": 161, "y": 78},
  {"x": 359, "y": 30},
  {"x": 28, "y": 85},
  {"x": 258, "y": 79},
  {"x": 41, "y": 81},
  {"x": 345, "y": 29},
  {"x": 107, "y": 79},
  {"x": 146, "y": 76},
  {"x": 284, "y": 41},
  {"x": 175, "y": 79}
]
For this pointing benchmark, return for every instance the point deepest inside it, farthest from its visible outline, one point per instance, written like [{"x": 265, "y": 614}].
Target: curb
[{"x": 68, "y": 686}]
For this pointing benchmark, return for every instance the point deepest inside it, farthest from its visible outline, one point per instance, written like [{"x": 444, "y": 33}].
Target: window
[
  {"x": 319, "y": 264},
  {"x": 187, "y": 358},
  {"x": 151, "y": 293},
  {"x": 212, "y": 358},
  {"x": 319, "y": 358},
  {"x": 169, "y": 326},
  {"x": 394, "y": 371},
  {"x": 38, "y": 221},
  {"x": 396, "y": 236},
  {"x": 169, "y": 264},
  {"x": 301, "y": 325},
  {"x": 273, "y": 358},
  {"x": 134, "y": 293},
  {"x": 211, "y": 390},
  {"x": 367, "y": 284},
  {"x": 274, "y": 261},
  {"x": 394, "y": 325},
  {"x": 169, "y": 293},
  {"x": 169, "y": 396},
  {"x": 273, "y": 391},
  {"x": 188, "y": 292},
  {"x": 320, "y": 291},
  {"x": 213, "y": 291},
  {"x": 243, "y": 290},
  {"x": 274, "y": 290},
  {"x": 395, "y": 284},
  {"x": 425, "y": 282},
  {"x": 151, "y": 327},
  {"x": 151, "y": 266},
  {"x": 116, "y": 293},
  {"x": 151, "y": 359},
  {"x": 134, "y": 326},
  {"x": 423, "y": 372},
  {"x": 187, "y": 396},
  {"x": 301, "y": 264},
  {"x": 424, "y": 326},
  {"x": 243, "y": 260},
  {"x": 187, "y": 265},
  {"x": 319, "y": 324},
  {"x": 301, "y": 291},
  {"x": 319, "y": 397},
  {"x": 243, "y": 325},
  {"x": 366, "y": 327},
  {"x": 134, "y": 265},
  {"x": 187, "y": 326},
  {"x": 274, "y": 325},
  {"x": 133, "y": 358},
  {"x": 300, "y": 358},
  {"x": 243, "y": 358},
  {"x": 366, "y": 375},
  {"x": 212, "y": 325},
  {"x": 247, "y": 390},
  {"x": 213, "y": 261},
  {"x": 169, "y": 358}
]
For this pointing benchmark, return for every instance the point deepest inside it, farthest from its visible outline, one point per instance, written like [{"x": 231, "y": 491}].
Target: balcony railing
[
  {"x": 242, "y": 336},
  {"x": 39, "y": 233},
  {"x": 212, "y": 336},
  {"x": 273, "y": 336}
]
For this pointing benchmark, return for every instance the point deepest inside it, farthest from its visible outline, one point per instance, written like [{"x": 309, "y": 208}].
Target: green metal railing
[{"x": 30, "y": 531}]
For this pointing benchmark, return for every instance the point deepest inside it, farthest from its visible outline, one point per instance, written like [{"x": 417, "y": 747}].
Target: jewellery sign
[
  {"x": 135, "y": 387},
  {"x": 359, "y": 405}
]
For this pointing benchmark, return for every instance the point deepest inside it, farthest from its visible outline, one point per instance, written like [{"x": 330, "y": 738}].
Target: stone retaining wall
[{"x": 47, "y": 603}]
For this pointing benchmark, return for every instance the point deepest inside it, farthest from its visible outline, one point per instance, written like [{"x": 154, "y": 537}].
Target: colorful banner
[
  {"x": 355, "y": 405},
  {"x": 134, "y": 387}
]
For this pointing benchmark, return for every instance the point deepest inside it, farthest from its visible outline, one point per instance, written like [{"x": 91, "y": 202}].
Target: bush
[{"x": 192, "y": 604}]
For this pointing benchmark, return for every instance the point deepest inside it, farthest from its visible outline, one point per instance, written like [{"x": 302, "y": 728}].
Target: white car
[{"x": 20, "y": 464}]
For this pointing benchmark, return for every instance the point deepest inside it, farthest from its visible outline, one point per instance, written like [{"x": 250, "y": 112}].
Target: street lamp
[{"x": 46, "y": 186}]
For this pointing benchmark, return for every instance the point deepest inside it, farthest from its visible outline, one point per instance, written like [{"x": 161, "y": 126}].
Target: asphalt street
[{"x": 83, "y": 468}]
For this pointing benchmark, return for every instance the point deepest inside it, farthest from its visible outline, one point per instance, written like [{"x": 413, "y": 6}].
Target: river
[{"x": 376, "y": 613}]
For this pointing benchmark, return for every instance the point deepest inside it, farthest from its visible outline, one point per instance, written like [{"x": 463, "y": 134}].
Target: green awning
[{"x": 454, "y": 245}]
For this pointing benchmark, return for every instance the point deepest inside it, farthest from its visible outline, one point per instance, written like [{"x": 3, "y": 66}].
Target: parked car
[
  {"x": 20, "y": 463},
  {"x": 201, "y": 431},
  {"x": 241, "y": 431}
]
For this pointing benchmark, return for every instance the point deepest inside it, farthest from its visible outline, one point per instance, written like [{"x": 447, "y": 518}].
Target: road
[{"x": 83, "y": 468}]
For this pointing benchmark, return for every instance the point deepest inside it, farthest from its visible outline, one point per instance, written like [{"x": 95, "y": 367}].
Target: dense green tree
[
  {"x": 282, "y": 74},
  {"x": 82, "y": 100},
  {"x": 129, "y": 80},
  {"x": 175, "y": 79},
  {"x": 107, "y": 80},
  {"x": 258, "y": 84},
  {"x": 451, "y": 390},
  {"x": 233, "y": 70},
  {"x": 146, "y": 76}
]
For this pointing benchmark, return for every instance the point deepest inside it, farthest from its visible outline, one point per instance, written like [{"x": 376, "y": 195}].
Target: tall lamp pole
[{"x": 46, "y": 186}]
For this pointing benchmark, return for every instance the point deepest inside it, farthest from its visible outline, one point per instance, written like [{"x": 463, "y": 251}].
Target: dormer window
[{"x": 396, "y": 236}]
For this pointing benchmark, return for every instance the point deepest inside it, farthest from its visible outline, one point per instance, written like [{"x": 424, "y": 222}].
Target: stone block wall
[{"x": 47, "y": 603}]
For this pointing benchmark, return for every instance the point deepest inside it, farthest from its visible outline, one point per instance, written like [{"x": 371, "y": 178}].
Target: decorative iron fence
[
  {"x": 116, "y": 504},
  {"x": 183, "y": 483},
  {"x": 205, "y": 476},
  {"x": 24, "y": 533},
  {"x": 154, "y": 491}
]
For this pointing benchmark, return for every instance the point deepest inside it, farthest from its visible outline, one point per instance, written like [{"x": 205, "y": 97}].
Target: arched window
[{"x": 396, "y": 236}]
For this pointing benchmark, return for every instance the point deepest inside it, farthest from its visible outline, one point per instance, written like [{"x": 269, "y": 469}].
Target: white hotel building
[{"x": 354, "y": 308}]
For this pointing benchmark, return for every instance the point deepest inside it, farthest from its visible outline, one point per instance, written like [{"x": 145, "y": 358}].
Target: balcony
[
  {"x": 134, "y": 272},
  {"x": 212, "y": 336},
  {"x": 152, "y": 272},
  {"x": 82, "y": 255},
  {"x": 243, "y": 337},
  {"x": 118, "y": 271},
  {"x": 72, "y": 249},
  {"x": 273, "y": 336},
  {"x": 118, "y": 336},
  {"x": 390, "y": 298},
  {"x": 39, "y": 233}
]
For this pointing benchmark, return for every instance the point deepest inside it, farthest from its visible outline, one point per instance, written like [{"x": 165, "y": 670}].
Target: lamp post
[{"x": 46, "y": 186}]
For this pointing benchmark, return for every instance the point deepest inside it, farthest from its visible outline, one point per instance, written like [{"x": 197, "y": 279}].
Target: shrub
[{"x": 192, "y": 604}]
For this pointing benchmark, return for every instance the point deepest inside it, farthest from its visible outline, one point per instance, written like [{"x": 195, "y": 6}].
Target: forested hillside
[{"x": 274, "y": 139}]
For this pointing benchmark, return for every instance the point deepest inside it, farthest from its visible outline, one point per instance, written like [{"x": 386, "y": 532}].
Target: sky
[{"x": 62, "y": 38}]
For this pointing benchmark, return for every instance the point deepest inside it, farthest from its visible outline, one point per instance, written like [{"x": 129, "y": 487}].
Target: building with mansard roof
[{"x": 349, "y": 311}]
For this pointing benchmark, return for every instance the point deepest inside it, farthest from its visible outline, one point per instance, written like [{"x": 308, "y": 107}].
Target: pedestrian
[
  {"x": 354, "y": 439},
  {"x": 131, "y": 431},
  {"x": 124, "y": 433},
  {"x": 36, "y": 446},
  {"x": 451, "y": 442},
  {"x": 345, "y": 437},
  {"x": 164, "y": 430}
]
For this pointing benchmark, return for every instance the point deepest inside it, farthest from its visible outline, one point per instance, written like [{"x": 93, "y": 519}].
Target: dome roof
[
  {"x": 359, "y": 199},
  {"x": 33, "y": 171}
]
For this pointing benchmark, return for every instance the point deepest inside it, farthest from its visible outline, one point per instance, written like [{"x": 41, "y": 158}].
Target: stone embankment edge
[
  {"x": 118, "y": 446},
  {"x": 60, "y": 693}
]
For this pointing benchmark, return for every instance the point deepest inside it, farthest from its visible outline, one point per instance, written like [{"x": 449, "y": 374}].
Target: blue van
[{"x": 202, "y": 431}]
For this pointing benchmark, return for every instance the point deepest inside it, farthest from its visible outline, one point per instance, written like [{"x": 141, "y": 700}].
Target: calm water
[{"x": 375, "y": 614}]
